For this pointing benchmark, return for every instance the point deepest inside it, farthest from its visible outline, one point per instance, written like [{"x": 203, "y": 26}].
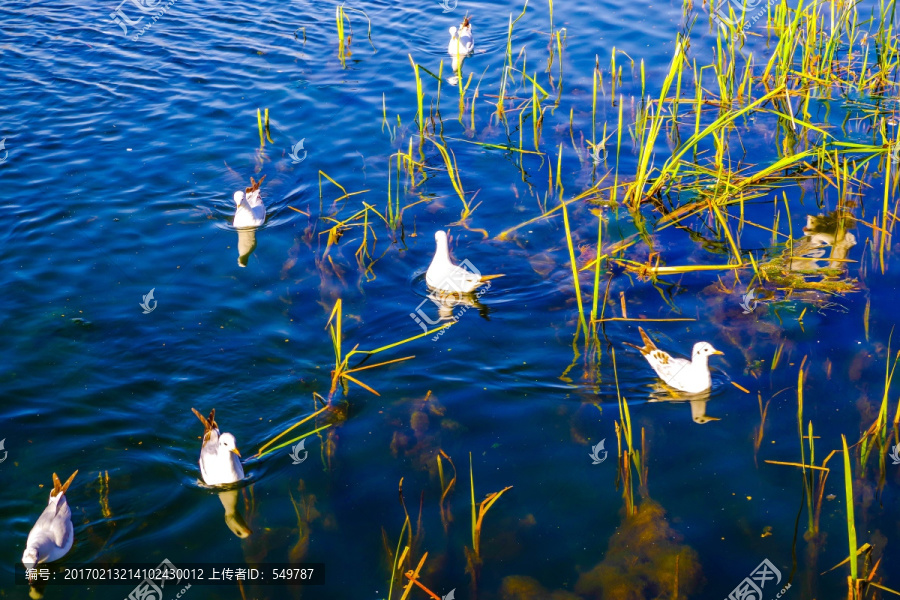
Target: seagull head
[
  {"x": 227, "y": 442},
  {"x": 442, "y": 252},
  {"x": 238, "y": 197},
  {"x": 453, "y": 32},
  {"x": 33, "y": 556},
  {"x": 703, "y": 350},
  {"x": 701, "y": 419}
]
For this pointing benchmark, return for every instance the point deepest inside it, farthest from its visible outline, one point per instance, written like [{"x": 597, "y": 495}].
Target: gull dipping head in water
[
  {"x": 691, "y": 376},
  {"x": 251, "y": 212},
  {"x": 462, "y": 43},
  {"x": 444, "y": 276},
  {"x": 52, "y": 535},
  {"x": 220, "y": 461}
]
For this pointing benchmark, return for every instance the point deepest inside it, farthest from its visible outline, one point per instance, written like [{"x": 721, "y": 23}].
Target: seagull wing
[
  {"x": 55, "y": 523},
  {"x": 665, "y": 365},
  {"x": 60, "y": 526},
  {"x": 466, "y": 41},
  {"x": 209, "y": 456},
  {"x": 465, "y": 280}
]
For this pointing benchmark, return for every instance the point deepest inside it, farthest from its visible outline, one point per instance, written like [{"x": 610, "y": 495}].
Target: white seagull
[
  {"x": 251, "y": 212},
  {"x": 462, "y": 43},
  {"x": 246, "y": 245},
  {"x": 220, "y": 461},
  {"x": 52, "y": 535},
  {"x": 444, "y": 276},
  {"x": 233, "y": 517},
  {"x": 691, "y": 376}
]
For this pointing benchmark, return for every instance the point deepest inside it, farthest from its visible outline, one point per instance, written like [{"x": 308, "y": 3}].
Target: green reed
[
  {"x": 419, "y": 96},
  {"x": 851, "y": 521}
]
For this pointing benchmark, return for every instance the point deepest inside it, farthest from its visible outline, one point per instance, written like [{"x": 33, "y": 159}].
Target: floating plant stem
[
  {"x": 259, "y": 453},
  {"x": 342, "y": 371},
  {"x": 291, "y": 441},
  {"x": 339, "y": 18},
  {"x": 397, "y": 558},
  {"x": 574, "y": 265},
  {"x": 594, "y": 109},
  {"x": 536, "y": 114},
  {"x": 647, "y": 144},
  {"x": 509, "y": 33},
  {"x": 446, "y": 516},
  {"x": 439, "y": 82},
  {"x": 596, "y": 289},
  {"x": 561, "y": 35},
  {"x": 483, "y": 507},
  {"x": 851, "y": 521},
  {"x": 368, "y": 20},
  {"x": 807, "y": 486},
  {"x": 551, "y": 16},
  {"x": 259, "y": 124},
  {"x": 613, "y": 78},
  {"x": 884, "y": 213},
  {"x": 876, "y": 435},
  {"x": 453, "y": 172},
  {"x": 421, "y": 115},
  {"x": 413, "y": 576},
  {"x": 630, "y": 455},
  {"x": 492, "y": 146},
  {"x": 501, "y": 99},
  {"x": 672, "y": 164}
]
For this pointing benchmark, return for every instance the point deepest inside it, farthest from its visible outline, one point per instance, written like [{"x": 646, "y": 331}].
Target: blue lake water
[{"x": 122, "y": 155}]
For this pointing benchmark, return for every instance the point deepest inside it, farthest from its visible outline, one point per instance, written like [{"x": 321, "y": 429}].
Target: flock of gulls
[{"x": 52, "y": 535}]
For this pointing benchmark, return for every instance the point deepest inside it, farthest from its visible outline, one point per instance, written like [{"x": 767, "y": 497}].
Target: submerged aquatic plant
[
  {"x": 876, "y": 437},
  {"x": 446, "y": 488},
  {"x": 341, "y": 373},
  {"x": 630, "y": 455},
  {"x": 645, "y": 559},
  {"x": 263, "y": 126},
  {"x": 473, "y": 555},
  {"x": 265, "y": 448},
  {"x": 813, "y": 487},
  {"x": 853, "y": 580},
  {"x": 344, "y": 37}
]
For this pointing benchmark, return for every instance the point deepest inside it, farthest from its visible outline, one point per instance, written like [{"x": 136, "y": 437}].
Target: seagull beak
[
  {"x": 706, "y": 419},
  {"x": 717, "y": 352},
  {"x": 236, "y": 451}
]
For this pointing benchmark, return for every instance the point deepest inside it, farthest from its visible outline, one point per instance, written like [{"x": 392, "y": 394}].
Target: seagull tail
[
  {"x": 648, "y": 343},
  {"x": 649, "y": 346},
  {"x": 61, "y": 488},
  {"x": 208, "y": 424},
  {"x": 199, "y": 416},
  {"x": 635, "y": 346},
  {"x": 254, "y": 185}
]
